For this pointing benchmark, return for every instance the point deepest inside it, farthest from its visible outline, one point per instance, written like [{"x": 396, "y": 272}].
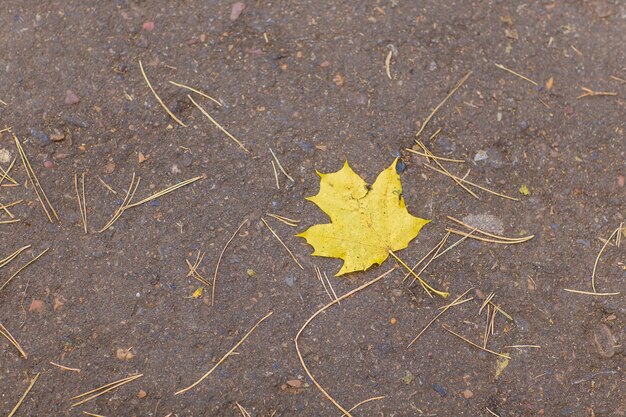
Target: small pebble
[
  {"x": 440, "y": 390},
  {"x": 467, "y": 394},
  {"x": 480, "y": 156},
  {"x": 109, "y": 167},
  {"x": 187, "y": 159},
  {"x": 289, "y": 280},
  {"x": 71, "y": 98},
  {"x": 393, "y": 320},
  {"x": 400, "y": 167},
  {"x": 236, "y": 10},
  {"x": 48, "y": 164},
  {"x": 149, "y": 26},
  {"x": 40, "y": 137},
  {"x": 175, "y": 170},
  {"x": 5, "y": 157}
]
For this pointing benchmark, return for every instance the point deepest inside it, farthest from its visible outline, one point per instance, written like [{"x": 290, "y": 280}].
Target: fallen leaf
[
  {"x": 523, "y": 190},
  {"x": 501, "y": 364},
  {"x": 37, "y": 306},
  {"x": 295, "y": 383},
  {"x": 141, "y": 158},
  {"x": 124, "y": 354},
  {"x": 366, "y": 223},
  {"x": 141, "y": 394},
  {"x": 511, "y": 33},
  {"x": 58, "y": 303},
  {"x": 198, "y": 293}
]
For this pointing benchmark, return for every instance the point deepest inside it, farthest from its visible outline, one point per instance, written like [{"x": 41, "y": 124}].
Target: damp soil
[{"x": 308, "y": 80}]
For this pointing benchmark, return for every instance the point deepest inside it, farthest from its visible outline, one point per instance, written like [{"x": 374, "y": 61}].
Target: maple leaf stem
[{"x": 424, "y": 283}]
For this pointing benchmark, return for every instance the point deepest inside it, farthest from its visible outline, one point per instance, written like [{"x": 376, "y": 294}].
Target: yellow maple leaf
[{"x": 366, "y": 223}]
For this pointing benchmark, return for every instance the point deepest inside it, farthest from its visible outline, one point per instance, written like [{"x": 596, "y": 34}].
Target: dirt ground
[{"x": 308, "y": 79}]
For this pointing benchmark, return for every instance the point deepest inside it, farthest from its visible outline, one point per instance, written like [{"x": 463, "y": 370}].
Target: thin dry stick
[
  {"x": 219, "y": 126},
  {"x": 487, "y": 327},
  {"x": 12, "y": 256},
  {"x": 388, "y": 64},
  {"x": 193, "y": 269},
  {"x": 621, "y": 80},
  {"x": 219, "y": 260},
  {"x": 275, "y": 175},
  {"x": 502, "y": 67},
  {"x": 104, "y": 389},
  {"x": 450, "y": 94},
  {"x": 590, "y": 93},
  {"x": 357, "y": 405},
  {"x": 432, "y": 156},
  {"x": 281, "y": 167},
  {"x": 33, "y": 179},
  {"x": 242, "y": 410},
  {"x": 443, "y": 310},
  {"x": 10, "y": 221},
  {"x": 286, "y": 220},
  {"x": 318, "y": 312},
  {"x": 464, "y": 181},
  {"x": 5, "y": 332},
  {"x": 82, "y": 205},
  {"x": 484, "y": 239},
  {"x": 132, "y": 189},
  {"x": 595, "y": 264},
  {"x": 282, "y": 243},
  {"x": 452, "y": 246},
  {"x": 196, "y": 91},
  {"x": 107, "y": 186},
  {"x": 230, "y": 352},
  {"x": 5, "y": 129},
  {"x": 165, "y": 191},
  {"x": 446, "y": 172},
  {"x": 22, "y": 268},
  {"x": 502, "y": 355},
  {"x": 65, "y": 368},
  {"x": 30, "y": 386},
  {"x": 145, "y": 77},
  {"x": 482, "y": 232},
  {"x": 486, "y": 302},
  {"x": 416, "y": 276},
  {"x": 92, "y": 414}
]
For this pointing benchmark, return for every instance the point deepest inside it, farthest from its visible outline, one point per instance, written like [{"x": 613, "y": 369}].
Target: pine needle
[
  {"x": 228, "y": 354},
  {"x": 41, "y": 195},
  {"x": 502, "y": 67},
  {"x": 317, "y": 313},
  {"x": 145, "y": 77},
  {"x": 5, "y": 332},
  {"x": 104, "y": 389},
  {"x": 166, "y": 191},
  {"x": 502, "y": 355},
  {"x": 275, "y": 175},
  {"x": 286, "y": 220},
  {"x": 282, "y": 243},
  {"x": 443, "y": 310},
  {"x": 499, "y": 237},
  {"x": 5, "y": 174},
  {"x": 219, "y": 126},
  {"x": 280, "y": 166},
  {"x": 5, "y": 261},
  {"x": 444, "y": 171},
  {"x": 196, "y": 91},
  {"x": 30, "y": 386},
  {"x": 193, "y": 269},
  {"x": 587, "y": 92},
  {"x": 22, "y": 268},
  {"x": 82, "y": 204},
  {"x": 483, "y": 239},
  {"x": 219, "y": 260},
  {"x": 65, "y": 368},
  {"x": 432, "y": 156},
  {"x": 595, "y": 264},
  {"x": 464, "y": 181},
  {"x": 427, "y": 287}
]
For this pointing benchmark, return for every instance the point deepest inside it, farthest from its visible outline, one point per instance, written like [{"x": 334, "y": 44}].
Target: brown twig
[
  {"x": 590, "y": 93},
  {"x": 318, "y": 312},
  {"x": 502, "y": 67}
]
